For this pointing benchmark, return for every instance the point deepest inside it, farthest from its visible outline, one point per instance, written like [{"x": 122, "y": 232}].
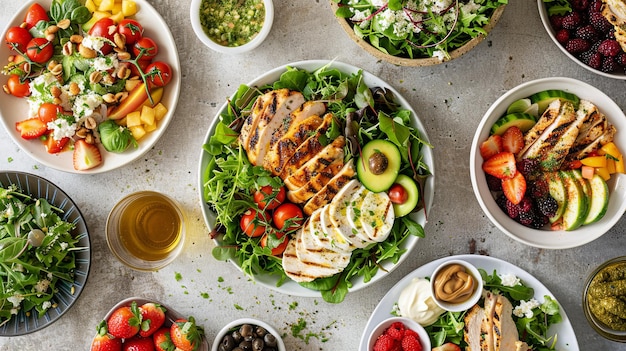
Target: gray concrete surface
[{"x": 449, "y": 98}]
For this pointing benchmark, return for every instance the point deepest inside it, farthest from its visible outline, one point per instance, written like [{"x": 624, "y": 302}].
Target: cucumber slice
[
  {"x": 545, "y": 98},
  {"x": 599, "y": 199},
  {"x": 557, "y": 191},
  {"x": 519, "y": 106},
  {"x": 523, "y": 121},
  {"x": 576, "y": 208}
]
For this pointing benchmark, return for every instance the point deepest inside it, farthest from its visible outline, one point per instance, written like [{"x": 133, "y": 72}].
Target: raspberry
[
  {"x": 572, "y": 20},
  {"x": 396, "y": 330},
  {"x": 577, "y": 45},
  {"x": 597, "y": 20},
  {"x": 556, "y": 21},
  {"x": 579, "y": 5},
  {"x": 608, "y": 65},
  {"x": 595, "y": 6},
  {"x": 609, "y": 47},
  {"x": 525, "y": 206},
  {"x": 493, "y": 183},
  {"x": 511, "y": 209},
  {"x": 528, "y": 167},
  {"x": 562, "y": 36},
  {"x": 547, "y": 205},
  {"x": 587, "y": 32},
  {"x": 410, "y": 343},
  {"x": 411, "y": 333},
  {"x": 384, "y": 343},
  {"x": 539, "y": 188}
]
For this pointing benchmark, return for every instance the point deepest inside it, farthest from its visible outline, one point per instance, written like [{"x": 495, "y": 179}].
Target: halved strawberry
[
  {"x": 491, "y": 147},
  {"x": 162, "y": 340},
  {"x": 513, "y": 140},
  {"x": 31, "y": 128},
  {"x": 54, "y": 146},
  {"x": 514, "y": 188},
  {"x": 501, "y": 165},
  {"x": 86, "y": 156},
  {"x": 153, "y": 317},
  {"x": 447, "y": 347}
]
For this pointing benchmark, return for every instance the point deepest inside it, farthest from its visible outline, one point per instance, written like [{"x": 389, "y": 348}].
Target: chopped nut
[
  {"x": 123, "y": 55},
  {"x": 51, "y": 64},
  {"x": 23, "y": 25},
  {"x": 82, "y": 132},
  {"x": 109, "y": 98},
  {"x": 95, "y": 77},
  {"x": 26, "y": 67},
  {"x": 11, "y": 58},
  {"x": 68, "y": 49},
  {"x": 90, "y": 123},
  {"x": 76, "y": 38},
  {"x": 112, "y": 29},
  {"x": 119, "y": 40},
  {"x": 52, "y": 29},
  {"x": 123, "y": 72},
  {"x": 55, "y": 91},
  {"x": 50, "y": 37},
  {"x": 74, "y": 89},
  {"x": 121, "y": 96},
  {"x": 108, "y": 79},
  {"x": 64, "y": 23},
  {"x": 89, "y": 139},
  {"x": 57, "y": 101},
  {"x": 86, "y": 52}
]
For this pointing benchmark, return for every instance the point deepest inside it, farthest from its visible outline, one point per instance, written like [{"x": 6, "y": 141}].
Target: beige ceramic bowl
[{"x": 401, "y": 61}]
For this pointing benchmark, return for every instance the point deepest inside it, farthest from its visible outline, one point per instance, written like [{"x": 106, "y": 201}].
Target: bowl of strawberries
[
  {"x": 546, "y": 163},
  {"x": 137, "y": 323}
]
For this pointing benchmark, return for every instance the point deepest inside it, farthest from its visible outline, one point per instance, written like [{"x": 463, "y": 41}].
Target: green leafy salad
[
  {"x": 36, "y": 252},
  {"x": 532, "y": 318},
  {"x": 418, "y": 28},
  {"x": 361, "y": 114}
]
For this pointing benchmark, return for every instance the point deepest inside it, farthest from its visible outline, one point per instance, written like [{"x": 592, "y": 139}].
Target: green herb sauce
[
  {"x": 607, "y": 296},
  {"x": 232, "y": 22}
]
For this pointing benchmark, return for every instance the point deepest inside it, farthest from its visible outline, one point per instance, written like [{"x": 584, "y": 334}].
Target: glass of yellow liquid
[{"x": 146, "y": 230}]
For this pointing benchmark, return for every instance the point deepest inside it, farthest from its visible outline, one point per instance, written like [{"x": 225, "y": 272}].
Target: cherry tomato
[
  {"x": 253, "y": 223},
  {"x": 159, "y": 74},
  {"x": 104, "y": 28},
  {"x": 131, "y": 29},
  {"x": 48, "y": 112},
  {"x": 18, "y": 37},
  {"x": 54, "y": 146},
  {"x": 279, "y": 248},
  {"x": 267, "y": 194},
  {"x": 16, "y": 87},
  {"x": 145, "y": 47},
  {"x": 398, "y": 194},
  {"x": 39, "y": 50},
  {"x": 35, "y": 14},
  {"x": 288, "y": 214}
]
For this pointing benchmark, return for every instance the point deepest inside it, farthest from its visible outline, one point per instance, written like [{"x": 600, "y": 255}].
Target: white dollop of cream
[{"x": 417, "y": 302}]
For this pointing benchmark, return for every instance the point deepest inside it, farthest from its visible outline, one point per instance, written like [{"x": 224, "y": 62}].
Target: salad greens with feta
[
  {"x": 532, "y": 318},
  {"x": 418, "y": 28},
  {"x": 362, "y": 114},
  {"x": 36, "y": 253}
]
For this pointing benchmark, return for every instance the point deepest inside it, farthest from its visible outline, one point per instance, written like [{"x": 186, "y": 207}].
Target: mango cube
[
  {"x": 137, "y": 131},
  {"x": 133, "y": 119},
  {"x": 95, "y": 17},
  {"x": 117, "y": 17},
  {"x": 106, "y": 5},
  {"x": 97, "y": 2},
  {"x": 147, "y": 115},
  {"x": 129, "y": 8},
  {"x": 117, "y": 8},
  {"x": 594, "y": 161},
  {"x": 150, "y": 127},
  {"x": 91, "y": 6},
  {"x": 159, "y": 111}
]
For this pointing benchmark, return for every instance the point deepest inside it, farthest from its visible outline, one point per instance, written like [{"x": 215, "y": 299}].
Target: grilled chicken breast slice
[
  {"x": 326, "y": 194},
  {"x": 298, "y": 270},
  {"x": 285, "y": 147},
  {"x": 328, "y": 155},
  {"x": 260, "y": 106},
  {"x": 279, "y": 105},
  {"x": 505, "y": 331},
  {"x": 316, "y": 183},
  {"x": 327, "y": 262},
  {"x": 472, "y": 329},
  {"x": 306, "y": 110},
  {"x": 336, "y": 237},
  {"x": 547, "y": 118}
]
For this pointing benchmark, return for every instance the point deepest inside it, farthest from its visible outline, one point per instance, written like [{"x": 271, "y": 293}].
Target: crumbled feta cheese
[
  {"x": 439, "y": 54},
  {"x": 525, "y": 308},
  {"x": 15, "y": 300},
  {"x": 379, "y": 3},
  {"x": 509, "y": 280},
  {"x": 469, "y": 7},
  {"x": 105, "y": 63},
  {"x": 46, "y": 304},
  {"x": 360, "y": 18},
  {"x": 61, "y": 128},
  {"x": 42, "y": 285},
  {"x": 64, "y": 245},
  {"x": 95, "y": 43},
  {"x": 84, "y": 105}
]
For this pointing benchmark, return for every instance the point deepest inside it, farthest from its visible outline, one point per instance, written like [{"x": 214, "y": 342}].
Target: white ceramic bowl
[
  {"x": 256, "y": 41},
  {"x": 472, "y": 300},
  {"x": 617, "y": 187},
  {"x": 232, "y": 326},
  {"x": 545, "y": 19},
  {"x": 408, "y": 323}
]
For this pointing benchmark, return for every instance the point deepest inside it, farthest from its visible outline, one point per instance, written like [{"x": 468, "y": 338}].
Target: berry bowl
[
  {"x": 397, "y": 328},
  {"x": 580, "y": 215},
  {"x": 584, "y": 33}
]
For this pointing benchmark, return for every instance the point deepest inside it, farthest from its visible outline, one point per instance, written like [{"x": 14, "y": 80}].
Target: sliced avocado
[
  {"x": 544, "y": 98},
  {"x": 523, "y": 121},
  {"x": 377, "y": 167},
  {"x": 558, "y": 192},
  {"x": 411, "y": 189},
  {"x": 584, "y": 184},
  {"x": 576, "y": 208},
  {"x": 599, "y": 201}
]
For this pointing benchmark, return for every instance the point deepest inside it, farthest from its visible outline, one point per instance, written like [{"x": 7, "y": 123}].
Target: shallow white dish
[
  {"x": 13, "y": 109},
  {"x": 291, "y": 287},
  {"x": 474, "y": 297},
  {"x": 252, "y": 44},
  {"x": 544, "y": 238},
  {"x": 545, "y": 19},
  {"x": 566, "y": 336},
  {"x": 252, "y": 321},
  {"x": 408, "y": 323}
]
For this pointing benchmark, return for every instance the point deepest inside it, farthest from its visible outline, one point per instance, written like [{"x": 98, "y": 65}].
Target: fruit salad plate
[
  {"x": 13, "y": 109},
  {"x": 566, "y": 340},
  {"x": 290, "y": 286},
  {"x": 68, "y": 293}
]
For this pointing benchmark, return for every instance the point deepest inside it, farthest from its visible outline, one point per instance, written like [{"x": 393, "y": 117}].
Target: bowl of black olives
[{"x": 248, "y": 334}]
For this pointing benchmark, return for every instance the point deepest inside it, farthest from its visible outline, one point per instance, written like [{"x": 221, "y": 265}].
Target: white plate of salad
[
  {"x": 559, "y": 336},
  {"x": 67, "y": 239},
  {"x": 14, "y": 109},
  {"x": 224, "y": 203}
]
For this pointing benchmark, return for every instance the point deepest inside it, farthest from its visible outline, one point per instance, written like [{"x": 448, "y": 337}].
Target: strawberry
[
  {"x": 105, "y": 341},
  {"x": 447, "y": 347},
  {"x": 513, "y": 140},
  {"x": 501, "y": 165},
  {"x": 152, "y": 318},
  {"x": 162, "y": 340},
  {"x": 31, "y": 128},
  {"x": 125, "y": 321},
  {"x": 514, "y": 188},
  {"x": 86, "y": 156},
  {"x": 138, "y": 343},
  {"x": 54, "y": 146},
  {"x": 491, "y": 147},
  {"x": 185, "y": 334}
]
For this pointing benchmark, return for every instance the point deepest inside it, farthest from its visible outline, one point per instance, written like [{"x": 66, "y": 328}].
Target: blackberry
[
  {"x": 620, "y": 59},
  {"x": 595, "y": 6},
  {"x": 592, "y": 59},
  {"x": 547, "y": 205},
  {"x": 600, "y": 23},
  {"x": 539, "y": 188},
  {"x": 493, "y": 183},
  {"x": 609, "y": 47},
  {"x": 572, "y": 20},
  {"x": 501, "y": 202},
  {"x": 587, "y": 32},
  {"x": 540, "y": 221},
  {"x": 577, "y": 45},
  {"x": 562, "y": 36},
  {"x": 580, "y": 5},
  {"x": 527, "y": 218},
  {"x": 608, "y": 65},
  {"x": 511, "y": 209},
  {"x": 529, "y": 168}
]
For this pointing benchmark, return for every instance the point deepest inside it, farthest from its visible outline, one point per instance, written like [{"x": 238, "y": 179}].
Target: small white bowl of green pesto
[{"x": 232, "y": 26}]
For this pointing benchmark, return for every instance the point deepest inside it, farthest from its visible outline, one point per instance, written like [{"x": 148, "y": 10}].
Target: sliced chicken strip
[
  {"x": 298, "y": 270},
  {"x": 329, "y": 154},
  {"x": 308, "y": 109},
  {"x": 326, "y": 194},
  {"x": 316, "y": 183}
]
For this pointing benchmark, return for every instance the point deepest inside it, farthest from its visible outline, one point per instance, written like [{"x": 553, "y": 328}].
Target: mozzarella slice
[
  {"x": 377, "y": 216},
  {"x": 338, "y": 213},
  {"x": 337, "y": 239},
  {"x": 353, "y": 213}
]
